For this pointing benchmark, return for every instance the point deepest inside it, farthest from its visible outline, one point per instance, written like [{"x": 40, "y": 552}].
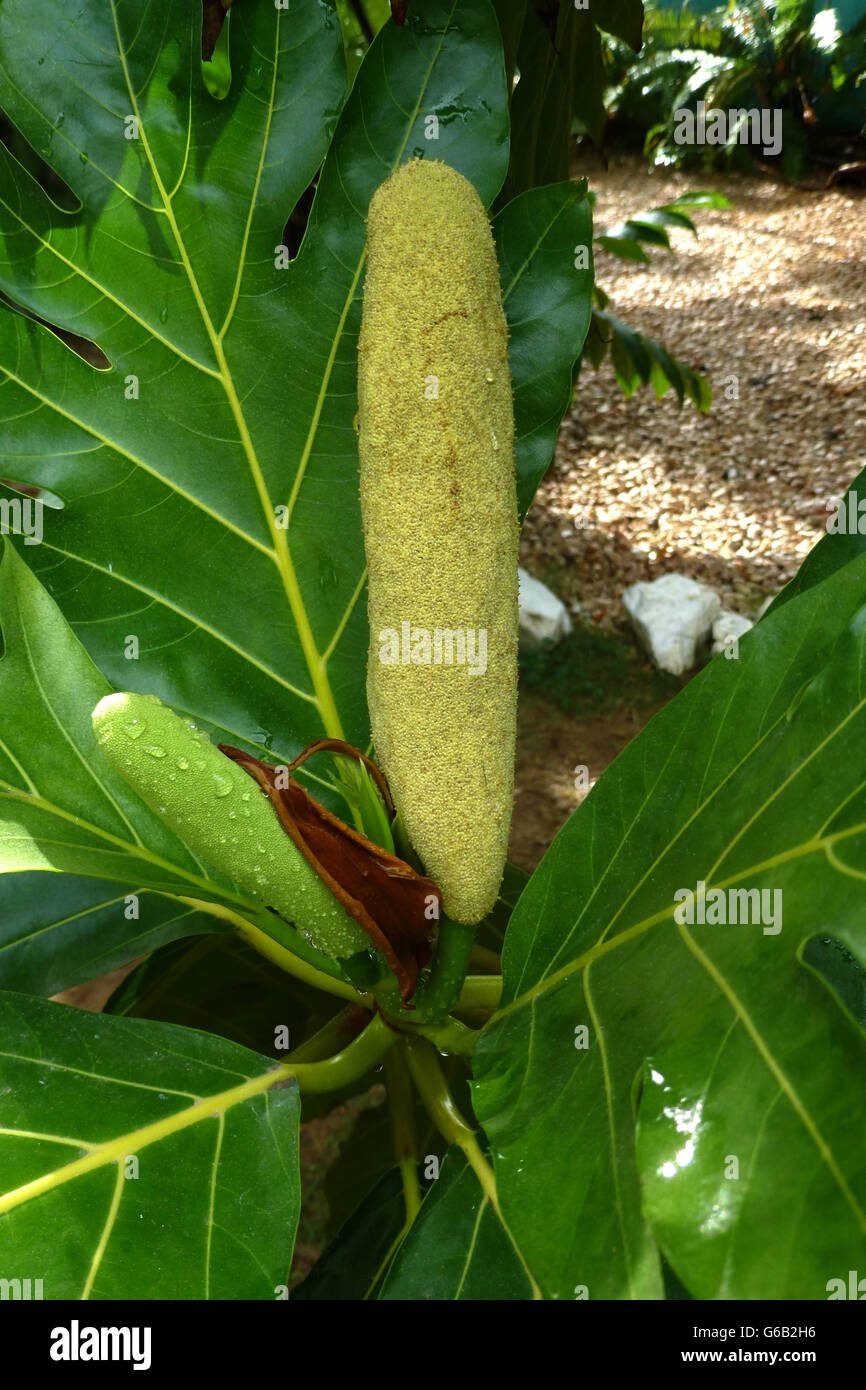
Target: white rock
[
  {"x": 672, "y": 616},
  {"x": 542, "y": 616},
  {"x": 727, "y": 625},
  {"x": 765, "y": 605}
]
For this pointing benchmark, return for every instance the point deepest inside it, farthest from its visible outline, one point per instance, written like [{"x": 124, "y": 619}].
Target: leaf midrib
[
  {"x": 132, "y": 852},
  {"x": 115, "y": 1150},
  {"x": 279, "y": 538}
]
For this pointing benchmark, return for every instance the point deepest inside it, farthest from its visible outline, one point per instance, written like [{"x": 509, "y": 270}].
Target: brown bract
[
  {"x": 384, "y": 894},
  {"x": 212, "y": 20}
]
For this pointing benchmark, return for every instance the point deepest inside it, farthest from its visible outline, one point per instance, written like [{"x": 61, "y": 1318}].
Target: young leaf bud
[{"x": 221, "y": 814}]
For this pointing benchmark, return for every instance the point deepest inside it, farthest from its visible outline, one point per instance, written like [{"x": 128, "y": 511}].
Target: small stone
[
  {"x": 543, "y": 617},
  {"x": 672, "y": 617},
  {"x": 727, "y": 627}
]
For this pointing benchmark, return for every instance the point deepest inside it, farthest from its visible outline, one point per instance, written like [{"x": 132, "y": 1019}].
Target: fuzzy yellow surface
[{"x": 440, "y": 519}]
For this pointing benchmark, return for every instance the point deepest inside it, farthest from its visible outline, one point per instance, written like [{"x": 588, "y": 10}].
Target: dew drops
[
  {"x": 232, "y": 815},
  {"x": 154, "y": 750},
  {"x": 135, "y": 728},
  {"x": 163, "y": 314},
  {"x": 245, "y": 796},
  {"x": 182, "y": 764},
  {"x": 221, "y": 785},
  {"x": 493, "y": 440},
  {"x": 488, "y": 377}
]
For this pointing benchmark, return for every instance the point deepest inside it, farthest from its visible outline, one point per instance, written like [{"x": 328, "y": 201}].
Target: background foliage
[{"x": 804, "y": 57}]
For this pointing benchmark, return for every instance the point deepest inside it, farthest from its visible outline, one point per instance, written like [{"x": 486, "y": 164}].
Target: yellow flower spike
[{"x": 440, "y": 518}]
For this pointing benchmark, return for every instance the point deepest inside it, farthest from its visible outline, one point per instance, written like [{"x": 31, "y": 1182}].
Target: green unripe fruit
[
  {"x": 221, "y": 814},
  {"x": 439, "y": 506}
]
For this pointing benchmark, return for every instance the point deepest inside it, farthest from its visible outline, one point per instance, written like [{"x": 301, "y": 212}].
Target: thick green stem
[
  {"x": 273, "y": 951},
  {"x": 333, "y": 1036},
  {"x": 346, "y": 1067},
  {"x": 433, "y": 1089},
  {"x": 480, "y": 992},
  {"x": 485, "y": 959},
  {"x": 448, "y": 1037},
  {"x": 435, "y": 997},
  {"x": 453, "y": 949},
  {"x": 473, "y": 1018},
  {"x": 386, "y": 1259},
  {"x": 401, "y": 1104}
]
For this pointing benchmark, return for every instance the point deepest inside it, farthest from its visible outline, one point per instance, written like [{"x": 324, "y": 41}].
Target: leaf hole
[
  {"x": 39, "y": 494},
  {"x": 35, "y": 164},
  {"x": 216, "y": 67},
  {"x": 85, "y": 348},
  {"x": 840, "y": 971},
  {"x": 296, "y": 226}
]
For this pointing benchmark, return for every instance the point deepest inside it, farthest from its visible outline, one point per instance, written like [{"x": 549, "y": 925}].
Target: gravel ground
[{"x": 767, "y": 303}]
